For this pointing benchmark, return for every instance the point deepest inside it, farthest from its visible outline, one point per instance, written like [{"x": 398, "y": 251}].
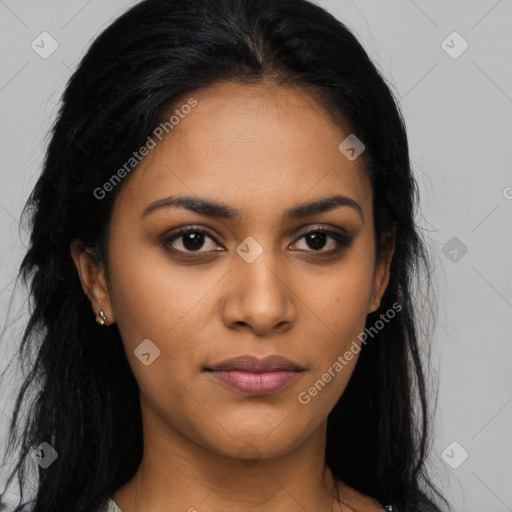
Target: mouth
[{"x": 249, "y": 374}]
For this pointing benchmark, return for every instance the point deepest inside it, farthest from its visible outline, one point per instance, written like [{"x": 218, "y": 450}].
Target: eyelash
[{"x": 342, "y": 240}]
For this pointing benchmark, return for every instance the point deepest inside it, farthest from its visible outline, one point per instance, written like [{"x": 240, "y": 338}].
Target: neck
[{"x": 178, "y": 474}]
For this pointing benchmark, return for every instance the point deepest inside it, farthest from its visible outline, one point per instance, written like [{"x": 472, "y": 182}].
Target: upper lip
[{"x": 250, "y": 363}]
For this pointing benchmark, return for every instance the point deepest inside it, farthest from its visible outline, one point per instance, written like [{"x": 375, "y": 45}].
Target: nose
[{"x": 259, "y": 297}]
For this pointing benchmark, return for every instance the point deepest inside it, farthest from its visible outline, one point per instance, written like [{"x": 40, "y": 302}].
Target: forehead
[{"x": 249, "y": 145}]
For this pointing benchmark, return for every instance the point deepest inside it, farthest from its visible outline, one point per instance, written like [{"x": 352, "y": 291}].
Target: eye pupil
[
  {"x": 317, "y": 238},
  {"x": 193, "y": 241}
]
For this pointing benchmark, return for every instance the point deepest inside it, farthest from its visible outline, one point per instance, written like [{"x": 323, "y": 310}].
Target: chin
[{"x": 257, "y": 444}]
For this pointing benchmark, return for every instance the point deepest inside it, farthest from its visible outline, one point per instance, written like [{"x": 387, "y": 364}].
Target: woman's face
[{"x": 248, "y": 279}]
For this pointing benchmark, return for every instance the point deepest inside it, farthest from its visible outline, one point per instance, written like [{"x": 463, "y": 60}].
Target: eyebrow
[{"x": 223, "y": 211}]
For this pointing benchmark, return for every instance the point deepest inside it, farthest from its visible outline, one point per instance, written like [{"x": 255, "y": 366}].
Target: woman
[{"x": 228, "y": 193}]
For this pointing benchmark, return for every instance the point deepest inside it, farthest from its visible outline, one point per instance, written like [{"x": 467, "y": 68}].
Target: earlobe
[{"x": 92, "y": 278}]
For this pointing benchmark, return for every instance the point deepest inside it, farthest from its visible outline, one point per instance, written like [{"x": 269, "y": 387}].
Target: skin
[{"x": 261, "y": 149}]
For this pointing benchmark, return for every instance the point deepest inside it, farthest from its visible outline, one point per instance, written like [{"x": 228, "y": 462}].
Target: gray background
[{"x": 458, "y": 113}]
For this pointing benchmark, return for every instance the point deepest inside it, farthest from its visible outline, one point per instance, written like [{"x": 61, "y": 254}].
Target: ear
[
  {"x": 92, "y": 277},
  {"x": 382, "y": 271}
]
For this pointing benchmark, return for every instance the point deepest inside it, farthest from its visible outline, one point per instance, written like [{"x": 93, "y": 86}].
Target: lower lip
[{"x": 255, "y": 382}]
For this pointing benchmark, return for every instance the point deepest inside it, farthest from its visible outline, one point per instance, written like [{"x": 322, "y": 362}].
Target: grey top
[{"x": 111, "y": 506}]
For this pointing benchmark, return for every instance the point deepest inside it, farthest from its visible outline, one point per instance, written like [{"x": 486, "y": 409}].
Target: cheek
[
  {"x": 342, "y": 306},
  {"x": 154, "y": 300},
  {"x": 150, "y": 296},
  {"x": 336, "y": 350},
  {"x": 345, "y": 296}
]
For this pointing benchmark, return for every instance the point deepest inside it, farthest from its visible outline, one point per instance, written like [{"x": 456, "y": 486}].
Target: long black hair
[{"x": 81, "y": 394}]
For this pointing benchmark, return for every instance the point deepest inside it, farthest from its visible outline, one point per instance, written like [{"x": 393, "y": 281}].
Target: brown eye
[
  {"x": 318, "y": 239},
  {"x": 190, "y": 240}
]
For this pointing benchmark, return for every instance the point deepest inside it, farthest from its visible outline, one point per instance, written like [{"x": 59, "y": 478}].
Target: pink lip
[{"x": 250, "y": 374}]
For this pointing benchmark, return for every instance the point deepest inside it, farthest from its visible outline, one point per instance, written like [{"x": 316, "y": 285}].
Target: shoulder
[
  {"x": 359, "y": 501},
  {"x": 417, "y": 501}
]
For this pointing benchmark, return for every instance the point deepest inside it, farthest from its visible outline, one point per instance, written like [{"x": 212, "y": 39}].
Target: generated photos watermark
[
  {"x": 158, "y": 133},
  {"x": 304, "y": 397}
]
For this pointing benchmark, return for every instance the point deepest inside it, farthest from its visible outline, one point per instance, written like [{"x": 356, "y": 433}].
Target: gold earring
[{"x": 102, "y": 318}]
